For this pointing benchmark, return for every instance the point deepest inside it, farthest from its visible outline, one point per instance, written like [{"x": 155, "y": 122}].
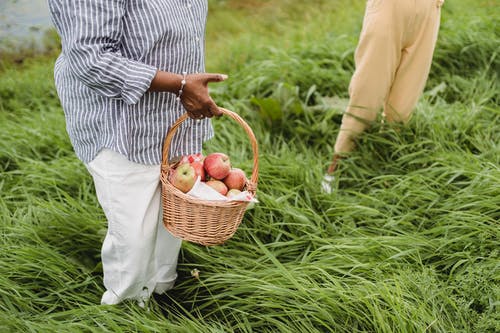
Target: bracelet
[{"x": 183, "y": 83}]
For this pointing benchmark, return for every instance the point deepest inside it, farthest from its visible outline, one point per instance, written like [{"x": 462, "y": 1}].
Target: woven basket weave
[{"x": 199, "y": 221}]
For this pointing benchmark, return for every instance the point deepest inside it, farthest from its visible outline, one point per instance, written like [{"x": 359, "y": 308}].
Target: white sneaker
[
  {"x": 327, "y": 183},
  {"x": 143, "y": 299},
  {"x": 141, "y": 303}
]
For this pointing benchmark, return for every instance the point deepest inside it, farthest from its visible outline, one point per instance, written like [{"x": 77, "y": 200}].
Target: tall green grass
[{"x": 408, "y": 243}]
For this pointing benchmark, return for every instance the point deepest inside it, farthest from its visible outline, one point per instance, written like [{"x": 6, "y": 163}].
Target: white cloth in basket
[{"x": 203, "y": 191}]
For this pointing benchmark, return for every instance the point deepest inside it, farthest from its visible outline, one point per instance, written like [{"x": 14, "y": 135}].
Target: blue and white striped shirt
[{"x": 111, "y": 50}]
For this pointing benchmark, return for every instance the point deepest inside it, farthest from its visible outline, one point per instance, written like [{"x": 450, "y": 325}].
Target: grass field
[{"x": 408, "y": 243}]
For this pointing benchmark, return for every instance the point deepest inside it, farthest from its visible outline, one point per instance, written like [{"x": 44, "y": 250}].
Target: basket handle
[{"x": 252, "y": 184}]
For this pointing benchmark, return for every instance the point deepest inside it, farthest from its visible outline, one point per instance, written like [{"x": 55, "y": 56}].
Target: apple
[
  {"x": 195, "y": 157},
  {"x": 217, "y": 165},
  {"x": 196, "y": 161},
  {"x": 184, "y": 159},
  {"x": 232, "y": 192},
  {"x": 236, "y": 179},
  {"x": 192, "y": 158},
  {"x": 199, "y": 169},
  {"x": 217, "y": 185},
  {"x": 183, "y": 177}
]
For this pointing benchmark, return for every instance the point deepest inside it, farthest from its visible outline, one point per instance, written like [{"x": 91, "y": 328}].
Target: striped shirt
[{"x": 111, "y": 50}]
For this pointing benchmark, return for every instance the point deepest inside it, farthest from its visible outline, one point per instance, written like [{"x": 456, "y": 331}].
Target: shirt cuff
[{"x": 137, "y": 81}]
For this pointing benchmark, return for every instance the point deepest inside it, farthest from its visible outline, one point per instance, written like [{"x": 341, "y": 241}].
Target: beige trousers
[{"x": 392, "y": 59}]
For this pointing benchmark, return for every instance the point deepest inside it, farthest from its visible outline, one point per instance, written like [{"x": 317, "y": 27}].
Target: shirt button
[{"x": 189, "y": 5}]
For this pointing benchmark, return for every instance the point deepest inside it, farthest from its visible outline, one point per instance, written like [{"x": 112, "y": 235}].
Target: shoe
[
  {"x": 143, "y": 299},
  {"x": 327, "y": 183},
  {"x": 142, "y": 303}
]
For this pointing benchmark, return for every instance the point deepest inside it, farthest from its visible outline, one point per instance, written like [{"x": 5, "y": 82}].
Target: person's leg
[
  {"x": 165, "y": 262},
  {"x": 412, "y": 73},
  {"x": 377, "y": 58},
  {"x": 129, "y": 194}
]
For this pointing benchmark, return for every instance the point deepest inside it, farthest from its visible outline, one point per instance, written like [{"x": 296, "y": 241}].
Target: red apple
[
  {"x": 217, "y": 185},
  {"x": 232, "y": 192},
  {"x": 195, "y": 157},
  {"x": 191, "y": 158},
  {"x": 184, "y": 159},
  {"x": 183, "y": 177},
  {"x": 199, "y": 169},
  {"x": 235, "y": 179},
  {"x": 196, "y": 161},
  {"x": 217, "y": 165}
]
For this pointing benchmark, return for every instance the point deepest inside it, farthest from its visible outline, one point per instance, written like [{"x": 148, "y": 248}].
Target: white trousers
[{"x": 138, "y": 254}]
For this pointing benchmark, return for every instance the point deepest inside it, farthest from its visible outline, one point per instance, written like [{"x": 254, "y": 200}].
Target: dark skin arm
[{"x": 195, "y": 96}]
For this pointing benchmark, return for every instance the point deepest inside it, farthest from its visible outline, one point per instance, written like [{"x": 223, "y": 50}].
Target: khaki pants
[{"x": 392, "y": 59}]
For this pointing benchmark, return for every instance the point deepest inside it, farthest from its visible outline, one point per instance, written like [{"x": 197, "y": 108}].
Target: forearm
[
  {"x": 195, "y": 96},
  {"x": 165, "y": 81}
]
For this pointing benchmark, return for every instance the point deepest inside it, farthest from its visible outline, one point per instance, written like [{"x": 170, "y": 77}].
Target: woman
[
  {"x": 128, "y": 69},
  {"x": 393, "y": 59}
]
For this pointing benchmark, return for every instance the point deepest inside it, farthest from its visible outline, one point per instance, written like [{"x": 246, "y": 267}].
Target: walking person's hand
[{"x": 195, "y": 96}]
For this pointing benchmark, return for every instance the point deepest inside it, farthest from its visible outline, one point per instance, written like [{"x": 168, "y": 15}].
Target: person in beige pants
[{"x": 393, "y": 58}]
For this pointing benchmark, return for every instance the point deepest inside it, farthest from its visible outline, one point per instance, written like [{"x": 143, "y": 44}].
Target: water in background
[{"x": 23, "y": 21}]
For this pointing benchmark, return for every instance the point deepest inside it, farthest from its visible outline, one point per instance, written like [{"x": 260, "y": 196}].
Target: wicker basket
[{"x": 199, "y": 221}]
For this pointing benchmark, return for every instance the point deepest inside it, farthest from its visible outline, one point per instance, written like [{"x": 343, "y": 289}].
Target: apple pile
[{"x": 215, "y": 170}]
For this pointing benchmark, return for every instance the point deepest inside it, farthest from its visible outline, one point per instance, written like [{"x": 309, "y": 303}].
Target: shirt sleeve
[{"x": 90, "y": 41}]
